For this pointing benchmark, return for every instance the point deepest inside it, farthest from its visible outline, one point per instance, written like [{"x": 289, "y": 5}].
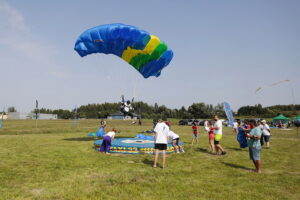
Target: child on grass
[
  {"x": 195, "y": 133},
  {"x": 211, "y": 137}
]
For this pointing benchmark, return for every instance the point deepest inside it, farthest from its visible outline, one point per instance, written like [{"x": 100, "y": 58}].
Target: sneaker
[
  {"x": 182, "y": 151},
  {"x": 223, "y": 153},
  {"x": 177, "y": 152}
]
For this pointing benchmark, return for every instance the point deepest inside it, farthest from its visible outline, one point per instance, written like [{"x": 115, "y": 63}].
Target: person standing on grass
[
  {"x": 107, "y": 139},
  {"x": 161, "y": 132},
  {"x": 103, "y": 124},
  {"x": 195, "y": 133},
  {"x": 218, "y": 135},
  {"x": 206, "y": 125},
  {"x": 266, "y": 133},
  {"x": 241, "y": 136},
  {"x": 255, "y": 145},
  {"x": 235, "y": 126},
  {"x": 211, "y": 137}
]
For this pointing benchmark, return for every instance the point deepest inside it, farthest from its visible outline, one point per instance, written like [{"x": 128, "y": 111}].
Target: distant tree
[{"x": 11, "y": 109}]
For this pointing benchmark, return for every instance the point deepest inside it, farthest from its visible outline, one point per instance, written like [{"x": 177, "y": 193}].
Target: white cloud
[
  {"x": 11, "y": 18},
  {"x": 16, "y": 37}
]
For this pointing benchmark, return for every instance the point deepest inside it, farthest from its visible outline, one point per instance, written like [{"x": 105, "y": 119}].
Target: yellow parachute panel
[{"x": 129, "y": 53}]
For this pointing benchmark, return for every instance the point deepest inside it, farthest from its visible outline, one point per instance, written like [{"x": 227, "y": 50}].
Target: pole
[
  {"x": 36, "y": 112},
  {"x": 75, "y": 116}
]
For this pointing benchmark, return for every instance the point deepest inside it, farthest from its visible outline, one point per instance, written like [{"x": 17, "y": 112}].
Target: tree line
[
  {"x": 270, "y": 111},
  {"x": 195, "y": 111},
  {"x": 146, "y": 111}
]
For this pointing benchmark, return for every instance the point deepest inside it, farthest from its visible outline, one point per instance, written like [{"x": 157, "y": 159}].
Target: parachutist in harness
[{"x": 126, "y": 108}]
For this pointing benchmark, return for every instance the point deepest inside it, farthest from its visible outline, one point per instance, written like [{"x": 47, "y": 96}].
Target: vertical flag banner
[
  {"x": 36, "y": 109},
  {"x": 229, "y": 114}
]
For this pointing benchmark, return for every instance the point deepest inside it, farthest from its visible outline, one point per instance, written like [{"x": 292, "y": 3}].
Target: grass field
[{"x": 57, "y": 161}]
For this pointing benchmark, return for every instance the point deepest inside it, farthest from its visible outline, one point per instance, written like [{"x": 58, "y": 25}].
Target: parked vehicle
[
  {"x": 188, "y": 122},
  {"x": 183, "y": 122}
]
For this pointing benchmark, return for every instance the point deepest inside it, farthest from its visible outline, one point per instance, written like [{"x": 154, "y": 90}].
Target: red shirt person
[{"x": 195, "y": 133}]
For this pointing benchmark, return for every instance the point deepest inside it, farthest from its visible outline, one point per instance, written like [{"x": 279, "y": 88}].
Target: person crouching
[
  {"x": 107, "y": 139},
  {"x": 175, "y": 142}
]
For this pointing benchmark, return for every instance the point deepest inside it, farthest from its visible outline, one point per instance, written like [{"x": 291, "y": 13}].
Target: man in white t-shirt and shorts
[
  {"x": 218, "y": 135},
  {"x": 266, "y": 132},
  {"x": 160, "y": 141}
]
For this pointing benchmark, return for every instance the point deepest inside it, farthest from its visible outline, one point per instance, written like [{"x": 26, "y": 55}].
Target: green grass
[{"x": 57, "y": 161}]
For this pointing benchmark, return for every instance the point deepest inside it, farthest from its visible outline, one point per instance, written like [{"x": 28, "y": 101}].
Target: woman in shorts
[
  {"x": 161, "y": 131},
  {"x": 255, "y": 145}
]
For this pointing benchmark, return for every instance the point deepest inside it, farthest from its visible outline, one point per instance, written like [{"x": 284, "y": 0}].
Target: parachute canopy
[{"x": 145, "y": 52}]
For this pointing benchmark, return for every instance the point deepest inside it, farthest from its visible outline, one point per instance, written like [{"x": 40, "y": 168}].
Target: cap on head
[{"x": 168, "y": 123}]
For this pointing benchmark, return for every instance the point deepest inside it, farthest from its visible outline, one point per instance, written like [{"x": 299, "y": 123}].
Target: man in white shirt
[
  {"x": 218, "y": 135},
  {"x": 160, "y": 141},
  {"x": 266, "y": 133}
]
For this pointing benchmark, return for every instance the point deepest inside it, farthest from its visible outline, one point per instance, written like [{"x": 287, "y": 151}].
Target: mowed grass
[{"x": 57, "y": 161}]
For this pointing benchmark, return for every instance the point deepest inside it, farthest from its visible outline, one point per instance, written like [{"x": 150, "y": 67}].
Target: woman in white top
[
  {"x": 107, "y": 139},
  {"x": 161, "y": 131},
  {"x": 206, "y": 126},
  {"x": 266, "y": 133}
]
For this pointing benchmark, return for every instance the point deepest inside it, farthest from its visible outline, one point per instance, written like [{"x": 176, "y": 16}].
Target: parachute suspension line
[{"x": 135, "y": 83}]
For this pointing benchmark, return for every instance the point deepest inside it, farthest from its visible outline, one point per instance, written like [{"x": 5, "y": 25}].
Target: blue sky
[{"x": 223, "y": 51}]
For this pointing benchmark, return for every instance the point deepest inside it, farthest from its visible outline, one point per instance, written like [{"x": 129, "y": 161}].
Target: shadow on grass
[
  {"x": 199, "y": 149},
  {"x": 237, "y": 166},
  {"x": 90, "y": 138},
  {"x": 81, "y": 139},
  {"x": 148, "y": 162},
  {"x": 234, "y": 148}
]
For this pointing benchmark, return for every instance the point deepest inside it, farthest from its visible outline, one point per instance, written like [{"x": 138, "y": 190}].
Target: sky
[{"x": 223, "y": 51}]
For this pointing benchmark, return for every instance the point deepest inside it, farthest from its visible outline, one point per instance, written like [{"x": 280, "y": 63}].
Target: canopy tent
[
  {"x": 281, "y": 118},
  {"x": 298, "y": 117}
]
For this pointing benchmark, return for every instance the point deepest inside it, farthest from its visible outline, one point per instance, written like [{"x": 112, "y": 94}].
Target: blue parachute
[
  {"x": 145, "y": 52},
  {"x": 241, "y": 138},
  {"x": 99, "y": 133}
]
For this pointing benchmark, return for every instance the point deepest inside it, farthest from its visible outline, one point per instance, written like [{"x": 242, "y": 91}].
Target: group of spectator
[{"x": 251, "y": 134}]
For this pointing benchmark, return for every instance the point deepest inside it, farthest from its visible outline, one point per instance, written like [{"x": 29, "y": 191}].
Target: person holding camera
[{"x": 254, "y": 145}]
